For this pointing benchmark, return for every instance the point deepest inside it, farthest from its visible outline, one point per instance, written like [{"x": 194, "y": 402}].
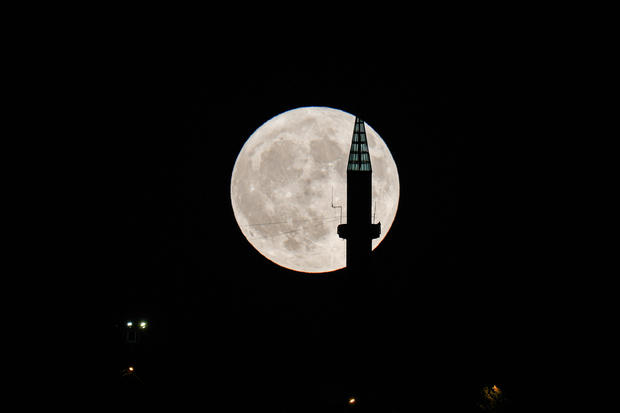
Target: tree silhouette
[{"x": 493, "y": 400}]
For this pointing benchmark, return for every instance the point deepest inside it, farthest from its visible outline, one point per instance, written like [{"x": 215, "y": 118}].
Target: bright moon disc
[{"x": 282, "y": 183}]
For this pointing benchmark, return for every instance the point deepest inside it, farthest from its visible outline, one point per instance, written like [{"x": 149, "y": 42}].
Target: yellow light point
[
  {"x": 352, "y": 400},
  {"x": 130, "y": 368},
  {"x": 495, "y": 389}
]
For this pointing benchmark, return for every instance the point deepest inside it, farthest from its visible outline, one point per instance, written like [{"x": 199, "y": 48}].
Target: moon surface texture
[{"x": 282, "y": 183}]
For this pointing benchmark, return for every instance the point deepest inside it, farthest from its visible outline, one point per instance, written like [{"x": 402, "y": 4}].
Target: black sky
[{"x": 455, "y": 307}]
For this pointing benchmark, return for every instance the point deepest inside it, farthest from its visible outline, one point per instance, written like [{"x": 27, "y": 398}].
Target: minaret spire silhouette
[{"x": 359, "y": 231}]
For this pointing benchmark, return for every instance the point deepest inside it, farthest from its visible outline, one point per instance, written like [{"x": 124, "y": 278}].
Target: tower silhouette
[{"x": 359, "y": 231}]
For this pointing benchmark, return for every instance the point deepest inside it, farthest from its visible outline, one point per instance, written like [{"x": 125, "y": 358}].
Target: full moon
[{"x": 290, "y": 178}]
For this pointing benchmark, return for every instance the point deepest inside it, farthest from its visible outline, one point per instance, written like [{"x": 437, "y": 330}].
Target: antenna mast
[
  {"x": 338, "y": 206},
  {"x": 374, "y": 213}
]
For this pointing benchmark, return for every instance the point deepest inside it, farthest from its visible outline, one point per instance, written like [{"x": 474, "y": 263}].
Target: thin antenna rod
[
  {"x": 374, "y": 213},
  {"x": 338, "y": 206}
]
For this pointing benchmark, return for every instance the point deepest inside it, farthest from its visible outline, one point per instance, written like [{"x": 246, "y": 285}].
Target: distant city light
[
  {"x": 142, "y": 324},
  {"x": 129, "y": 324},
  {"x": 495, "y": 389},
  {"x": 352, "y": 400},
  {"x": 130, "y": 368}
]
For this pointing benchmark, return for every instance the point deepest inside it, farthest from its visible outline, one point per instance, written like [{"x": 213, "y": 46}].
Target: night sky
[{"x": 456, "y": 305}]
